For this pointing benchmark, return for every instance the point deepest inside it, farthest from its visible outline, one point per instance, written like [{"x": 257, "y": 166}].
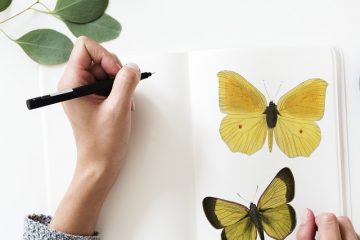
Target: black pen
[{"x": 100, "y": 87}]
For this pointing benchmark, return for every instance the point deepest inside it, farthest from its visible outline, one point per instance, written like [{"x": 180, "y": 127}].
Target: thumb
[
  {"x": 307, "y": 228},
  {"x": 124, "y": 85}
]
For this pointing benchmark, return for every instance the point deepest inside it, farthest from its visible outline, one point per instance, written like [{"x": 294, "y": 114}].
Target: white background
[{"x": 162, "y": 26}]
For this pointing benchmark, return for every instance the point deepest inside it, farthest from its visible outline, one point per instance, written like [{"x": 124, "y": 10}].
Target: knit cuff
[{"x": 36, "y": 228}]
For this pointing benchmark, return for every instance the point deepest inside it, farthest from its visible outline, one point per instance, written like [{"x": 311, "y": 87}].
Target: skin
[
  {"x": 101, "y": 127},
  {"x": 101, "y": 151},
  {"x": 327, "y": 226}
]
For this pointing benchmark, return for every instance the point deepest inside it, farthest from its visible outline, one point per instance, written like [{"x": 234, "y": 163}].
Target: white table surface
[{"x": 164, "y": 26}]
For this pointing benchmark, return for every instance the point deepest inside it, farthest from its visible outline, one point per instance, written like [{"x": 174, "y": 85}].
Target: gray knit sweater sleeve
[{"x": 36, "y": 228}]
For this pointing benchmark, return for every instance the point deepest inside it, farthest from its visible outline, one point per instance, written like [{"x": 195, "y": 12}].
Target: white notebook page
[
  {"x": 221, "y": 173},
  {"x": 153, "y": 197},
  {"x": 177, "y": 157}
]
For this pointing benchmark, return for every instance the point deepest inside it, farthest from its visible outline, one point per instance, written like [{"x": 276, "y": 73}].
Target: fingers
[
  {"x": 88, "y": 61},
  {"x": 346, "y": 229},
  {"x": 87, "y": 51},
  {"x": 117, "y": 59},
  {"x": 98, "y": 72},
  {"x": 328, "y": 226},
  {"x": 132, "y": 105},
  {"x": 307, "y": 227},
  {"x": 124, "y": 85}
]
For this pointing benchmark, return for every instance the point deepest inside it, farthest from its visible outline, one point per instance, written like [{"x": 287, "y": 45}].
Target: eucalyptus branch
[
  {"x": 47, "y": 10},
  {"x": 6, "y": 35},
  {"x": 40, "y": 11},
  {"x": 48, "y": 46},
  {"x": 21, "y": 12}
]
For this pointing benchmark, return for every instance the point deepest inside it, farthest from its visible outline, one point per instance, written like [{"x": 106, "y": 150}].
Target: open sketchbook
[{"x": 177, "y": 156}]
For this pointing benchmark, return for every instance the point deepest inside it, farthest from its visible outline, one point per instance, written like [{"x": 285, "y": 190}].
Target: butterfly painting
[
  {"x": 291, "y": 121},
  {"x": 272, "y": 214}
]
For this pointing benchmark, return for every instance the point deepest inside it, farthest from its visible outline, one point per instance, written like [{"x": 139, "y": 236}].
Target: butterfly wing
[
  {"x": 306, "y": 101},
  {"x": 278, "y": 222},
  {"x": 244, "y": 133},
  {"x": 231, "y": 216},
  {"x": 281, "y": 190},
  {"x": 297, "y": 137},
  {"x": 237, "y": 95},
  {"x": 242, "y": 230},
  {"x": 277, "y": 217},
  {"x": 244, "y": 128},
  {"x": 222, "y": 213},
  {"x": 296, "y": 133}
]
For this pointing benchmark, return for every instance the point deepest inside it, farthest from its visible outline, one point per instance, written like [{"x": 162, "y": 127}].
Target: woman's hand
[
  {"x": 101, "y": 127},
  {"x": 329, "y": 227}
]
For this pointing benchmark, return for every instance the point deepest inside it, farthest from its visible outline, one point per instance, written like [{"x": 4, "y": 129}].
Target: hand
[
  {"x": 329, "y": 227},
  {"x": 101, "y": 128},
  {"x": 101, "y": 125}
]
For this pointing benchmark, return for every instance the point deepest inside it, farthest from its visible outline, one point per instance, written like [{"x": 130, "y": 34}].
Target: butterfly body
[
  {"x": 291, "y": 122},
  {"x": 255, "y": 218},
  {"x": 271, "y": 114},
  {"x": 272, "y": 214}
]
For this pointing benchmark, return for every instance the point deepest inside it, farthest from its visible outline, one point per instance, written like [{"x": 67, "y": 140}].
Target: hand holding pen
[
  {"x": 101, "y": 126},
  {"x": 102, "y": 87}
]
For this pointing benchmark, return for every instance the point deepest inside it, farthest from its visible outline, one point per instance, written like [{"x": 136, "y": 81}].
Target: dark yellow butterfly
[
  {"x": 272, "y": 214},
  {"x": 292, "y": 121}
]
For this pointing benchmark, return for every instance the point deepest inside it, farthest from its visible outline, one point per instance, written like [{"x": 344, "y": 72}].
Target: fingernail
[
  {"x": 327, "y": 219},
  {"x": 305, "y": 216},
  {"x": 133, "y": 66}
]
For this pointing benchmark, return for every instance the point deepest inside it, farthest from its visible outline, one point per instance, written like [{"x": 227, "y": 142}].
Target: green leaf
[
  {"x": 80, "y": 11},
  {"x": 46, "y": 46},
  {"x": 4, "y": 4},
  {"x": 102, "y": 29}
]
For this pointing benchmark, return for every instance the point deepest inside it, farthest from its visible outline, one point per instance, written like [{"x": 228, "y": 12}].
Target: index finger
[
  {"x": 328, "y": 226},
  {"x": 86, "y": 52},
  {"x": 88, "y": 60}
]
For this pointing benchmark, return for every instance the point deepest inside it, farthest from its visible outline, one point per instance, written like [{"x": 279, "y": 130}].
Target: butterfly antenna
[
  {"x": 257, "y": 187},
  {"x": 243, "y": 198},
  {"x": 267, "y": 93},
  {"x": 277, "y": 92}
]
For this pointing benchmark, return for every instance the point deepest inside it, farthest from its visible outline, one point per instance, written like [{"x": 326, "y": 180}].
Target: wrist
[
  {"x": 79, "y": 209},
  {"x": 103, "y": 167},
  {"x": 98, "y": 177}
]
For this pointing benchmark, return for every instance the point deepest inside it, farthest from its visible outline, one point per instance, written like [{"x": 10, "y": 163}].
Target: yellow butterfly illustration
[
  {"x": 272, "y": 214},
  {"x": 292, "y": 121}
]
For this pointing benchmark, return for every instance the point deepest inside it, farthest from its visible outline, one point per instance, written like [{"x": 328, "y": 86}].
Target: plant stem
[
  {"x": 48, "y": 10},
  {"x": 26, "y": 9},
  {"x": 40, "y": 11},
  {"x": 7, "y": 35}
]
